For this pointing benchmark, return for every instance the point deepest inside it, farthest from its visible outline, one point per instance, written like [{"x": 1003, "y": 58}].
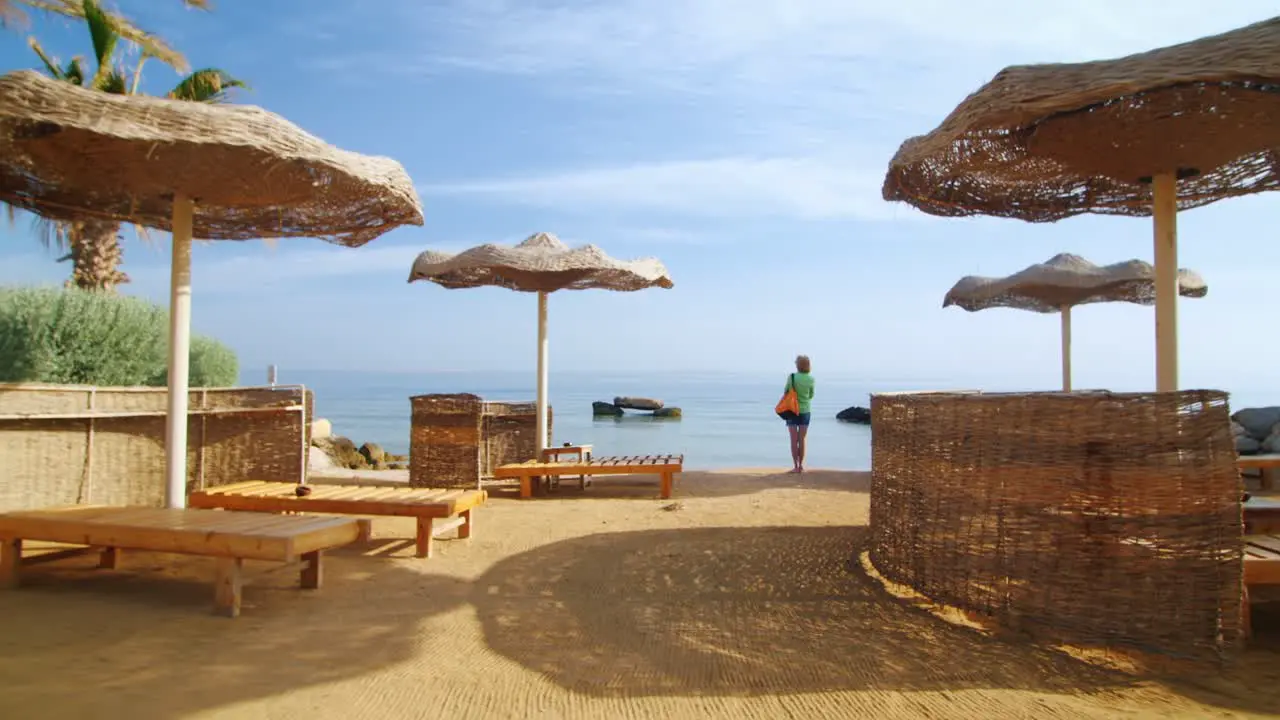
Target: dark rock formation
[{"x": 855, "y": 414}]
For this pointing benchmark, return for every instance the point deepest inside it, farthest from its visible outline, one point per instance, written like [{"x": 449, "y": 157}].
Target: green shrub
[
  {"x": 83, "y": 338},
  {"x": 213, "y": 364}
]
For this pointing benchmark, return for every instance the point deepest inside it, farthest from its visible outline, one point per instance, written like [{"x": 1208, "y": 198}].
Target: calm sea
[{"x": 728, "y": 418}]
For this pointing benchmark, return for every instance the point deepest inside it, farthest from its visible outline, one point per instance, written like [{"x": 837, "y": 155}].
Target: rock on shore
[
  {"x": 330, "y": 452},
  {"x": 1256, "y": 430},
  {"x": 855, "y": 414}
]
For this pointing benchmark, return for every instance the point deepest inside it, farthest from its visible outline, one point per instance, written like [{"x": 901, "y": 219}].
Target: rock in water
[
  {"x": 637, "y": 403},
  {"x": 604, "y": 409},
  {"x": 855, "y": 414},
  {"x": 667, "y": 412},
  {"x": 373, "y": 453},
  {"x": 1258, "y": 421}
]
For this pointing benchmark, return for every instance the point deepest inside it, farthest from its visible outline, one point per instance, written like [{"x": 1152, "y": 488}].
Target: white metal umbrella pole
[
  {"x": 1164, "y": 191},
  {"x": 175, "y": 432},
  {"x": 1066, "y": 348},
  {"x": 541, "y": 417}
]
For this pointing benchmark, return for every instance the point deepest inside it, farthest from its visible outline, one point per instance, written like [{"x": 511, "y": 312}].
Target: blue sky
[{"x": 743, "y": 143}]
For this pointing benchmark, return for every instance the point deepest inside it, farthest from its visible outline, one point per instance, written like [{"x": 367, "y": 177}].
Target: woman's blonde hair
[{"x": 802, "y": 363}]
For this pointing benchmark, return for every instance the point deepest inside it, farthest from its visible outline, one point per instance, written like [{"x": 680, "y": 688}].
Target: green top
[{"x": 804, "y": 389}]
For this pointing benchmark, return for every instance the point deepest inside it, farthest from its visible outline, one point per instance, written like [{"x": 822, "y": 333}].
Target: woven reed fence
[
  {"x": 1088, "y": 519},
  {"x": 66, "y": 444},
  {"x": 455, "y": 440}
]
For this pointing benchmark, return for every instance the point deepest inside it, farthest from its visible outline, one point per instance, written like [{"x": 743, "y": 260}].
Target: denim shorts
[{"x": 801, "y": 420}]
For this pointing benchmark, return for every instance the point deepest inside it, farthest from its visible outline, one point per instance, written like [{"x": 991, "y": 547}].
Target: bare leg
[
  {"x": 794, "y": 433},
  {"x": 801, "y": 434}
]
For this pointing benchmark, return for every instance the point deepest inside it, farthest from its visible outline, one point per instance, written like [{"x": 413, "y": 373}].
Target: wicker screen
[
  {"x": 1089, "y": 519},
  {"x": 67, "y": 444},
  {"x": 457, "y": 439}
]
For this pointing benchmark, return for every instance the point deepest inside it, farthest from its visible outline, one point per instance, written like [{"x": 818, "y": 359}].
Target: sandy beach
[{"x": 740, "y": 598}]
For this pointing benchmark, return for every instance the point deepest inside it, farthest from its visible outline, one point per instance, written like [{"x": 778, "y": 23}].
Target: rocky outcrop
[
  {"x": 1257, "y": 422},
  {"x": 855, "y": 414},
  {"x": 604, "y": 409},
  {"x": 652, "y": 408},
  {"x": 339, "y": 453},
  {"x": 373, "y": 454},
  {"x": 637, "y": 403},
  {"x": 1256, "y": 430}
]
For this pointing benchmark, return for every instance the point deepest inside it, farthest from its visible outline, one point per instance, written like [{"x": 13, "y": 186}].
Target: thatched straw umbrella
[
  {"x": 217, "y": 172},
  {"x": 1146, "y": 134},
  {"x": 1062, "y": 283},
  {"x": 541, "y": 264}
]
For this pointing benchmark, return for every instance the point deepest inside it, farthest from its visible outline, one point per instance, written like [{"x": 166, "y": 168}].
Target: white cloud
[
  {"x": 802, "y": 188},
  {"x": 820, "y": 53}
]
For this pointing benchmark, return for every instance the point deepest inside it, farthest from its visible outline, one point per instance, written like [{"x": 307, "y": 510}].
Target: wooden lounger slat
[
  {"x": 425, "y": 504},
  {"x": 665, "y": 466},
  {"x": 1263, "y": 544},
  {"x": 229, "y": 536}
]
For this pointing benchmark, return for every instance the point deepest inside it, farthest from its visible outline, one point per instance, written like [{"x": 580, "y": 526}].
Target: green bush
[
  {"x": 83, "y": 338},
  {"x": 213, "y": 364}
]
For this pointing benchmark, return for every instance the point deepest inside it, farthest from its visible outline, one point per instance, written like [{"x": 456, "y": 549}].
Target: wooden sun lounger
[
  {"x": 232, "y": 538},
  {"x": 1261, "y": 567},
  {"x": 454, "y": 507},
  {"x": 1267, "y": 463},
  {"x": 665, "y": 466}
]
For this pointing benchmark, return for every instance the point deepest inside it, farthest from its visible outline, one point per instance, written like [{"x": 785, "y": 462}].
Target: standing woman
[{"x": 798, "y": 424}]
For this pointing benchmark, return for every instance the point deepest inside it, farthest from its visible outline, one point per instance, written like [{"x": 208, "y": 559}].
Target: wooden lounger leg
[
  {"x": 312, "y": 570},
  {"x": 425, "y": 537},
  {"x": 469, "y": 518},
  {"x": 526, "y": 487},
  {"x": 229, "y": 587},
  {"x": 366, "y": 530},
  {"x": 667, "y": 482},
  {"x": 10, "y": 563},
  {"x": 109, "y": 559}
]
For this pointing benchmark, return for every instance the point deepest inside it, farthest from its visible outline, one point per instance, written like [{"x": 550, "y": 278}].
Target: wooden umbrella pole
[
  {"x": 175, "y": 435},
  {"x": 541, "y": 417},
  {"x": 1066, "y": 348},
  {"x": 1164, "y": 191}
]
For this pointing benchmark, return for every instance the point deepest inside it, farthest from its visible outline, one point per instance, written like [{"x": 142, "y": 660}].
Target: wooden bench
[
  {"x": 437, "y": 511},
  {"x": 665, "y": 466},
  {"x": 232, "y": 538},
  {"x": 1261, "y": 567}
]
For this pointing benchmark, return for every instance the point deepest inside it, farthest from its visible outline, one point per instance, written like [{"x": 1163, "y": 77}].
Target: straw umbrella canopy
[
  {"x": 1147, "y": 134},
  {"x": 1063, "y": 282},
  {"x": 541, "y": 264},
  {"x": 217, "y": 172}
]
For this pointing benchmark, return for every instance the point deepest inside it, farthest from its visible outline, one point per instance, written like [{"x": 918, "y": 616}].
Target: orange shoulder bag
[{"x": 789, "y": 406}]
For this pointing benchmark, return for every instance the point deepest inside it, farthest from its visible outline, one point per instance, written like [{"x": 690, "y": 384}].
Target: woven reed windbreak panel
[
  {"x": 47, "y": 460},
  {"x": 510, "y": 433},
  {"x": 456, "y": 439},
  {"x": 1090, "y": 519}
]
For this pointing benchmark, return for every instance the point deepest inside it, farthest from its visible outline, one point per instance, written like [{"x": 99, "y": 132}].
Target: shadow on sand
[
  {"x": 141, "y": 643},
  {"x": 738, "y": 611}
]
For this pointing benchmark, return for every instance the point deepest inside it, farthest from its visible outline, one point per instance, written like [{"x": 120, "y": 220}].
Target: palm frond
[
  {"x": 209, "y": 85},
  {"x": 124, "y": 27},
  {"x": 75, "y": 71},
  {"x": 50, "y": 64},
  {"x": 105, "y": 38}
]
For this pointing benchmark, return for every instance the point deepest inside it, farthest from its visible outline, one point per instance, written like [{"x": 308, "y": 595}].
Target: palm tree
[
  {"x": 93, "y": 246},
  {"x": 11, "y": 14}
]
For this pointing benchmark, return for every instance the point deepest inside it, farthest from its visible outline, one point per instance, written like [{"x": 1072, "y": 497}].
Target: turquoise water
[{"x": 728, "y": 417}]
